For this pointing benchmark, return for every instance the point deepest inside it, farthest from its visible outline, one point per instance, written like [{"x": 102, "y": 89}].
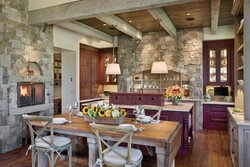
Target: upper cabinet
[
  {"x": 106, "y": 57},
  {"x": 218, "y": 65}
]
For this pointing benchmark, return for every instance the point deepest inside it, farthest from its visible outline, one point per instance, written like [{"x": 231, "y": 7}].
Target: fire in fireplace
[{"x": 30, "y": 93}]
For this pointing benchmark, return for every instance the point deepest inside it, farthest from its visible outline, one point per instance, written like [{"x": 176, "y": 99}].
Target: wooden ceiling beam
[
  {"x": 92, "y": 8},
  {"x": 166, "y": 23},
  {"x": 86, "y": 30},
  {"x": 121, "y": 26},
  {"x": 215, "y": 11}
]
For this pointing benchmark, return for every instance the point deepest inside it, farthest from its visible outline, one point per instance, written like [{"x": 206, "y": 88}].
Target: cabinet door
[
  {"x": 218, "y": 68},
  {"x": 85, "y": 67},
  {"x": 95, "y": 68}
]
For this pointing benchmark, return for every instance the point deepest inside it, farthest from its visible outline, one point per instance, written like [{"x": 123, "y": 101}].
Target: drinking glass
[
  {"x": 70, "y": 112},
  {"x": 135, "y": 112},
  {"x": 141, "y": 117},
  {"x": 75, "y": 106}
]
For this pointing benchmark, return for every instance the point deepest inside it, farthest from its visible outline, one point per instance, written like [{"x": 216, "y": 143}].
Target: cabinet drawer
[{"x": 218, "y": 122}]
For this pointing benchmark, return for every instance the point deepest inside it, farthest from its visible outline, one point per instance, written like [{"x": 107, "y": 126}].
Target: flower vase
[{"x": 175, "y": 101}]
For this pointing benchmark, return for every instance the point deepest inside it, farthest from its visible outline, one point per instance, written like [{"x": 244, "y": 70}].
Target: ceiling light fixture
[
  {"x": 188, "y": 13},
  {"x": 104, "y": 24},
  {"x": 159, "y": 67},
  {"x": 190, "y": 19},
  {"x": 130, "y": 21},
  {"x": 113, "y": 68}
]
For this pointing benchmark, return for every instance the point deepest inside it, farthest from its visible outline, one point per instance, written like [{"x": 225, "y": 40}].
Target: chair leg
[
  {"x": 33, "y": 158},
  {"x": 70, "y": 155},
  {"x": 52, "y": 159}
]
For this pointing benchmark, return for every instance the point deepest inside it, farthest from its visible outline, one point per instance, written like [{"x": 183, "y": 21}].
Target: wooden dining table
[{"x": 165, "y": 136}]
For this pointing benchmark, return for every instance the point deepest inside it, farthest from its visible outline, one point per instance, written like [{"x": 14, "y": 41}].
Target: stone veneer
[
  {"x": 182, "y": 54},
  {"x": 21, "y": 46}
]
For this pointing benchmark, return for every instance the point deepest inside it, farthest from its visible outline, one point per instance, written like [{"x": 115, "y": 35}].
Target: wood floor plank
[{"x": 210, "y": 149}]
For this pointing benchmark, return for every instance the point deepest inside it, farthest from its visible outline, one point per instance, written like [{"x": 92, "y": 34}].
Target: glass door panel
[
  {"x": 212, "y": 65},
  {"x": 223, "y": 65}
]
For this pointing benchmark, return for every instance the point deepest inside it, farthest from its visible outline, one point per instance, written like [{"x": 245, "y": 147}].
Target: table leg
[
  {"x": 42, "y": 160},
  {"x": 93, "y": 151},
  {"x": 161, "y": 156}
]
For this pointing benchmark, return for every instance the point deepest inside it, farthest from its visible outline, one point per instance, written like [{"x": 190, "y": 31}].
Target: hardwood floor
[{"x": 210, "y": 149}]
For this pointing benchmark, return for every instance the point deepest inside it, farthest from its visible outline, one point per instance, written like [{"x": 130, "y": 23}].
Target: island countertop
[{"x": 167, "y": 106}]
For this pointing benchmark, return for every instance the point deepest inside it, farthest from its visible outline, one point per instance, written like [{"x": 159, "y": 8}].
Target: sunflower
[
  {"x": 94, "y": 109},
  {"x": 123, "y": 112},
  {"x": 85, "y": 110},
  {"x": 101, "y": 112}
]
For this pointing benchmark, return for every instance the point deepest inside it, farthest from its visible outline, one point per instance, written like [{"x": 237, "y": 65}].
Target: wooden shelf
[
  {"x": 240, "y": 68},
  {"x": 237, "y": 7},
  {"x": 241, "y": 29},
  {"x": 240, "y": 49}
]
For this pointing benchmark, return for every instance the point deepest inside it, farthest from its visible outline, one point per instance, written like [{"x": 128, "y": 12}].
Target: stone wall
[
  {"x": 22, "y": 46},
  {"x": 182, "y": 54}
]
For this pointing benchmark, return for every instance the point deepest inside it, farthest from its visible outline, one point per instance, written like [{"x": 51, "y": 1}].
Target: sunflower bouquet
[{"x": 103, "y": 110}]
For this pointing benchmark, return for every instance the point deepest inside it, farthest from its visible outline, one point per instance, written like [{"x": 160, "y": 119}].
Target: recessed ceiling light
[
  {"x": 190, "y": 19},
  {"x": 188, "y": 14},
  {"x": 130, "y": 21},
  {"x": 104, "y": 24}
]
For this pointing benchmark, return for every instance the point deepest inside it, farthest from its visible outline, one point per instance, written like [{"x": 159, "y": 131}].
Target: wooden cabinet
[
  {"x": 238, "y": 139},
  {"x": 215, "y": 116},
  {"x": 89, "y": 72},
  {"x": 106, "y": 57},
  {"x": 218, "y": 63}
]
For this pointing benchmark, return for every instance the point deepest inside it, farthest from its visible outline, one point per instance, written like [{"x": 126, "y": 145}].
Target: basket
[{"x": 104, "y": 120}]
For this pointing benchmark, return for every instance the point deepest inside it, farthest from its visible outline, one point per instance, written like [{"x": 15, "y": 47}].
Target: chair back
[
  {"x": 105, "y": 148},
  {"x": 152, "y": 107},
  {"x": 38, "y": 134}
]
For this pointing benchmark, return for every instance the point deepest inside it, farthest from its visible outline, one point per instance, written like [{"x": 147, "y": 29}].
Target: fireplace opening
[{"x": 30, "y": 93}]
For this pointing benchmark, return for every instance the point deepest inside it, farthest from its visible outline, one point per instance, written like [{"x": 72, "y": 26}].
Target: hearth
[{"x": 30, "y": 93}]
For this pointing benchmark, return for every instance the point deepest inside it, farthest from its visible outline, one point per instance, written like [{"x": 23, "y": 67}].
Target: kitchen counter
[
  {"x": 218, "y": 102},
  {"x": 238, "y": 118}
]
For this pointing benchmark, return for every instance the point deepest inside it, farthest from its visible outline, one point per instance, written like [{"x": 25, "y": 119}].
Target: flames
[{"x": 24, "y": 90}]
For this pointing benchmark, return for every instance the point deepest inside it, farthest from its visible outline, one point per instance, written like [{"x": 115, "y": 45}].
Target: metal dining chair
[
  {"x": 116, "y": 155},
  {"x": 49, "y": 145}
]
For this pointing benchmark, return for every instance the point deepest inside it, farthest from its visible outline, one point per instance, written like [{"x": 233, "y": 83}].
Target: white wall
[
  {"x": 68, "y": 78},
  {"x": 66, "y": 40},
  {"x": 223, "y": 32}
]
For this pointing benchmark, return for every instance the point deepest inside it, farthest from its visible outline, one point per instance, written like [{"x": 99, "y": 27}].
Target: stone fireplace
[{"x": 26, "y": 56}]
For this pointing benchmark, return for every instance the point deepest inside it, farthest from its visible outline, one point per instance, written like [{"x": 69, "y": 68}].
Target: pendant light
[
  {"x": 159, "y": 67},
  {"x": 113, "y": 68}
]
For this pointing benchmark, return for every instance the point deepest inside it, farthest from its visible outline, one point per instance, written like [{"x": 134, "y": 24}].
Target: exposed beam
[
  {"x": 86, "y": 30},
  {"x": 215, "y": 11},
  {"x": 93, "y": 8},
  {"x": 121, "y": 26},
  {"x": 166, "y": 23}
]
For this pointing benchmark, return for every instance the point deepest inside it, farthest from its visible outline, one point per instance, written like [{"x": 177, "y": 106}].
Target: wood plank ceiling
[
  {"x": 134, "y": 17},
  {"x": 144, "y": 22}
]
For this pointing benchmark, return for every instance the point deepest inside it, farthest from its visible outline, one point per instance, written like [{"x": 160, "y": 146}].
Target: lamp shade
[
  {"x": 159, "y": 67},
  {"x": 113, "y": 69}
]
